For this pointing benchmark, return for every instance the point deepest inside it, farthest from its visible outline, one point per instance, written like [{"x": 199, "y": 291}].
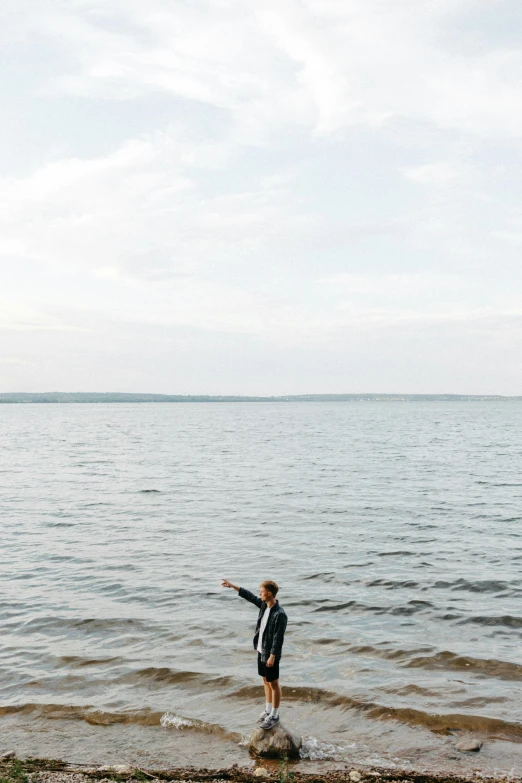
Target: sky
[{"x": 261, "y": 196}]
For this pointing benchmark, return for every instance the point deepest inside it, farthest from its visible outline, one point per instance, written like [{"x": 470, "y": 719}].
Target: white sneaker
[
  {"x": 264, "y": 715},
  {"x": 270, "y": 722}
]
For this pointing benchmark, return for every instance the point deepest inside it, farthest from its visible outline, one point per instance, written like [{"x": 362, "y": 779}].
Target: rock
[
  {"x": 261, "y": 773},
  {"x": 276, "y": 743},
  {"x": 10, "y": 754},
  {"x": 469, "y": 745},
  {"x": 355, "y": 776}
]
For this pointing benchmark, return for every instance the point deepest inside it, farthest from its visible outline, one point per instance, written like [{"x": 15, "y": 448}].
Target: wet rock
[
  {"x": 276, "y": 743},
  {"x": 469, "y": 745},
  {"x": 10, "y": 754},
  {"x": 355, "y": 776}
]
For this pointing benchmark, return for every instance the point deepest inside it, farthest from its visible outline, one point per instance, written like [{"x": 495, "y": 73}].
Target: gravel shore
[{"x": 13, "y": 770}]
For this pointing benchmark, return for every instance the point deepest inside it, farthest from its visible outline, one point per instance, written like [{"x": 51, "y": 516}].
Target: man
[{"x": 268, "y": 641}]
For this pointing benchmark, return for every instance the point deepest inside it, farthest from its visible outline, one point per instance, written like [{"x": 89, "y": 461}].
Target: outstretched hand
[{"x": 226, "y": 583}]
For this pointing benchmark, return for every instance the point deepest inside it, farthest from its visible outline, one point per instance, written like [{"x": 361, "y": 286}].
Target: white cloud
[
  {"x": 394, "y": 285},
  {"x": 23, "y": 316},
  {"x": 137, "y": 212},
  {"x": 441, "y": 174},
  {"x": 291, "y": 172},
  {"x": 321, "y": 65}
]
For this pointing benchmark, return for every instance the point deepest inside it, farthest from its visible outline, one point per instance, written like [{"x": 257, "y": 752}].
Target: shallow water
[{"x": 394, "y": 530}]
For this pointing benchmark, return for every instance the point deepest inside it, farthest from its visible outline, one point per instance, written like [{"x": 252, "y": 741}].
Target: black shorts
[{"x": 270, "y": 672}]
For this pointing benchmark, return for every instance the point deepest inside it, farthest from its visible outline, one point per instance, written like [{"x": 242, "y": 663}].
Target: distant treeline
[{"x": 100, "y": 397}]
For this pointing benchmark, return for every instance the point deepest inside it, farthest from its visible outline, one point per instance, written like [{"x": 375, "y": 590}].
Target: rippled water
[{"x": 394, "y": 530}]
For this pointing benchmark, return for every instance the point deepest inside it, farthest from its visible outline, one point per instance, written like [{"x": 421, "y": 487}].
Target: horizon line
[{"x": 52, "y": 396}]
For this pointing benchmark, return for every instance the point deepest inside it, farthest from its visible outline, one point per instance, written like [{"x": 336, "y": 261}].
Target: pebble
[
  {"x": 61, "y": 777},
  {"x": 355, "y": 776},
  {"x": 10, "y": 754},
  {"x": 469, "y": 745},
  {"x": 260, "y": 772}
]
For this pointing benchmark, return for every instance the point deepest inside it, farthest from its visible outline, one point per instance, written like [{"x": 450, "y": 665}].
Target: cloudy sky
[{"x": 261, "y": 196}]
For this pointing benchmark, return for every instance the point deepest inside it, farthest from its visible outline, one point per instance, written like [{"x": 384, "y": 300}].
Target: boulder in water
[
  {"x": 276, "y": 743},
  {"x": 469, "y": 746}
]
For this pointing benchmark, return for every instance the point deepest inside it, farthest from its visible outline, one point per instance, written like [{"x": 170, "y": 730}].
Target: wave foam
[
  {"x": 168, "y": 721},
  {"x": 315, "y": 750}
]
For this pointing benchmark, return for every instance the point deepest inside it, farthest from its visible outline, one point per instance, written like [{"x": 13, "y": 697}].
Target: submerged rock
[
  {"x": 276, "y": 743},
  {"x": 10, "y": 754},
  {"x": 469, "y": 745}
]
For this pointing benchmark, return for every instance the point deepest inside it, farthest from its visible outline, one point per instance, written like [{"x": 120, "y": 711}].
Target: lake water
[{"x": 393, "y": 529}]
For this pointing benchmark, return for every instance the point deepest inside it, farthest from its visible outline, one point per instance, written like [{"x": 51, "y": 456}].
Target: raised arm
[
  {"x": 246, "y": 594},
  {"x": 226, "y": 583}
]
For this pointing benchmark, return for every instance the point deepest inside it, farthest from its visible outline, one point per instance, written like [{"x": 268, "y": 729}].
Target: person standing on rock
[{"x": 268, "y": 641}]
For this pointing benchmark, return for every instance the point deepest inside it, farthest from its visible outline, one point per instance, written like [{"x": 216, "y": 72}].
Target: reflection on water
[{"x": 393, "y": 530}]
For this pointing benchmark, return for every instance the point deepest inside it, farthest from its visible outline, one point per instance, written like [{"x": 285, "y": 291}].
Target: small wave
[
  {"x": 315, "y": 750},
  {"x": 494, "y": 728},
  {"x": 390, "y": 584},
  {"x": 322, "y": 575},
  {"x": 506, "y": 620},
  {"x": 439, "y": 723},
  {"x": 144, "y": 717},
  {"x": 479, "y": 701},
  {"x": 502, "y": 670},
  {"x": 88, "y": 625},
  {"x": 477, "y": 586},
  {"x": 408, "y": 690},
  {"x": 412, "y": 607},
  {"x": 169, "y": 721},
  {"x": 77, "y": 661},
  {"x": 500, "y": 484},
  {"x": 165, "y": 676}
]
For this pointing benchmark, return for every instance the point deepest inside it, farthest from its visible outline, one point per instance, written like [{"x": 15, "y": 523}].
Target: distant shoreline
[{"x": 119, "y": 397}]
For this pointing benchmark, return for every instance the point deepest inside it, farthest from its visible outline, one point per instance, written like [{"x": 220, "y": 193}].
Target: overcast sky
[{"x": 261, "y": 196}]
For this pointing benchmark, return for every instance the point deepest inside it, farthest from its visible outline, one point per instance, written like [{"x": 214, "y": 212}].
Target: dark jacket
[{"x": 273, "y": 637}]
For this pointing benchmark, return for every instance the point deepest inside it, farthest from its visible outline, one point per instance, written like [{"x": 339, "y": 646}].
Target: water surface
[{"x": 394, "y": 530}]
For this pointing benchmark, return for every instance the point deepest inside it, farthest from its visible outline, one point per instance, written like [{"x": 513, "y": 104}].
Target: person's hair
[{"x": 270, "y": 585}]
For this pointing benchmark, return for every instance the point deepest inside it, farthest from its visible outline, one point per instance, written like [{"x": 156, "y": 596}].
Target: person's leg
[
  {"x": 268, "y": 696},
  {"x": 276, "y": 696},
  {"x": 261, "y": 670}
]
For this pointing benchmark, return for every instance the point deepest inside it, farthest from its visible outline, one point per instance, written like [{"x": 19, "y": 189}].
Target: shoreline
[{"x": 46, "y": 770}]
